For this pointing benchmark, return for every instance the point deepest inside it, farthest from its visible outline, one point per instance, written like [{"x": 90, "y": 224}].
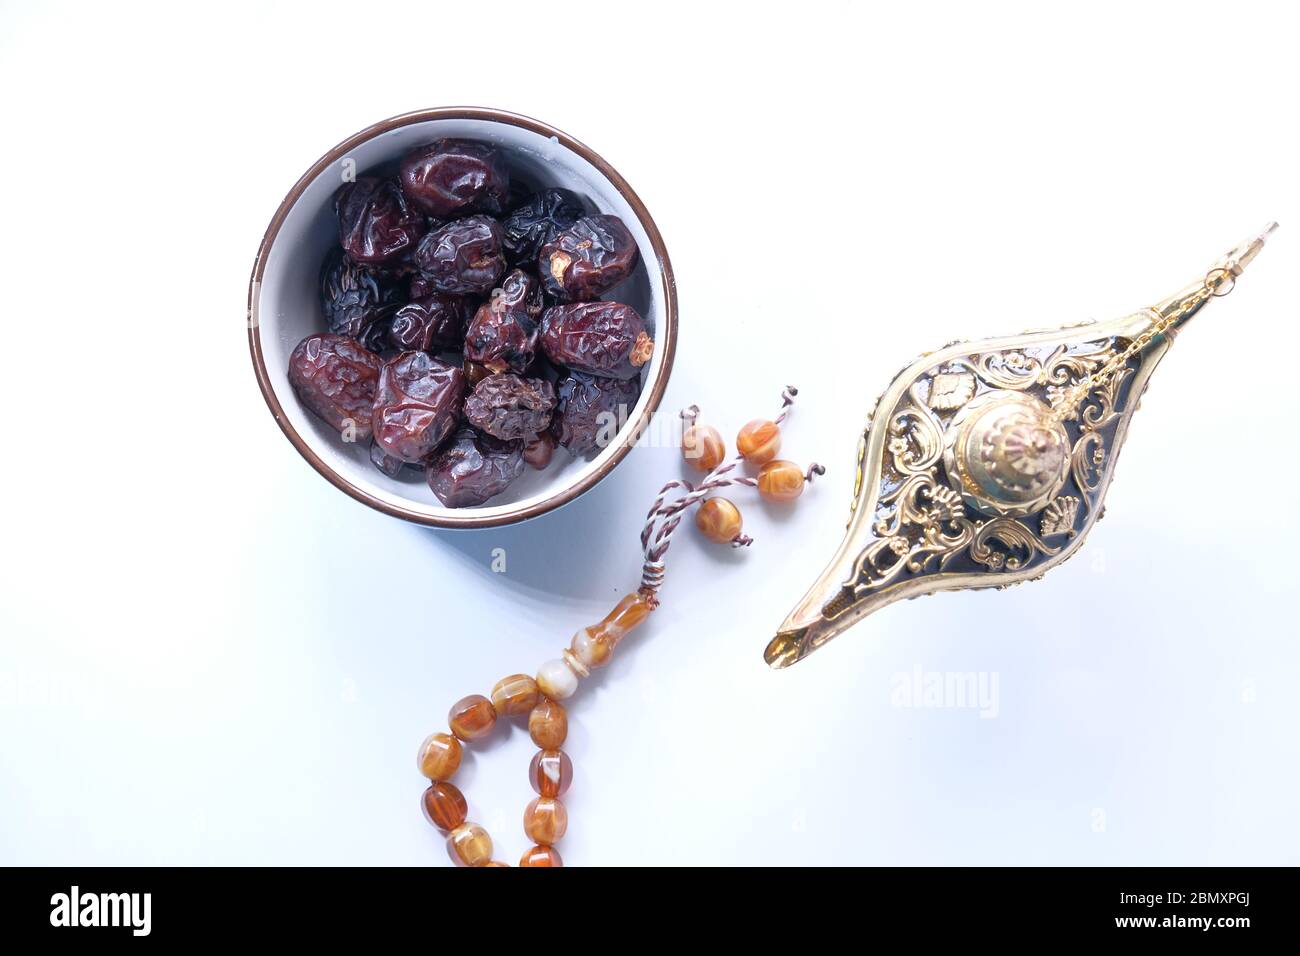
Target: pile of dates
[{"x": 466, "y": 333}]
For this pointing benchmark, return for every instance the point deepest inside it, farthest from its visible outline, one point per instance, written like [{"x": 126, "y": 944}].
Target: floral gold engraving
[{"x": 987, "y": 463}]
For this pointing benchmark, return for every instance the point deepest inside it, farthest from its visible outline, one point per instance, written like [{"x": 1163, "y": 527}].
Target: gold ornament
[
  {"x": 985, "y": 464},
  {"x": 1006, "y": 453}
]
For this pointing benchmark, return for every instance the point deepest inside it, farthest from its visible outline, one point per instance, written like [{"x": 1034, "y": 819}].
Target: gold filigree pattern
[
  {"x": 922, "y": 524},
  {"x": 1059, "y": 517},
  {"x": 989, "y": 461},
  {"x": 951, "y": 390},
  {"x": 1010, "y": 369},
  {"x": 1019, "y": 545}
]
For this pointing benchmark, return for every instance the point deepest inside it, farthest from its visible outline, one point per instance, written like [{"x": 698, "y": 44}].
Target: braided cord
[{"x": 666, "y": 514}]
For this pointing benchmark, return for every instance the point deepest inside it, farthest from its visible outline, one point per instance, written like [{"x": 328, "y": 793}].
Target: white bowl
[{"x": 284, "y": 305}]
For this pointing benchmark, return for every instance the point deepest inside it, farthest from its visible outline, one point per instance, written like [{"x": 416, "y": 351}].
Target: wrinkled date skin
[
  {"x": 539, "y": 449},
  {"x": 420, "y": 287},
  {"x": 471, "y": 468},
  {"x": 535, "y": 223},
  {"x": 375, "y": 223},
  {"x": 417, "y": 405},
  {"x": 376, "y": 338},
  {"x": 390, "y": 466},
  {"x": 401, "y": 268},
  {"x": 353, "y": 298},
  {"x": 599, "y": 338},
  {"x": 507, "y": 406},
  {"x": 590, "y": 257},
  {"x": 431, "y": 324},
  {"x": 503, "y": 333},
  {"x": 463, "y": 256},
  {"x": 590, "y": 411},
  {"x": 454, "y": 176},
  {"x": 336, "y": 378}
]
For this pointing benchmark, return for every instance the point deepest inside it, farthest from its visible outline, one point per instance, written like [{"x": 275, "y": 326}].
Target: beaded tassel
[{"x": 551, "y": 771}]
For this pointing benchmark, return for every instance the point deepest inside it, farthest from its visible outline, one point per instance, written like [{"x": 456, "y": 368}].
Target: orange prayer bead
[
  {"x": 444, "y": 806},
  {"x": 594, "y": 645},
  {"x": 627, "y": 614},
  {"x": 545, "y": 820},
  {"x": 469, "y": 845},
  {"x": 548, "y": 724},
  {"x": 515, "y": 695},
  {"x": 558, "y": 678},
  {"x": 550, "y": 772},
  {"x": 759, "y": 441},
  {"x": 719, "y": 519},
  {"x": 439, "y": 756},
  {"x": 472, "y": 717},
  {"x": 495, "y": 863},
  {"x": 541, "y": 856},
  {"x": 780, "y": 480},
  {"x": 702, "y": 447}
]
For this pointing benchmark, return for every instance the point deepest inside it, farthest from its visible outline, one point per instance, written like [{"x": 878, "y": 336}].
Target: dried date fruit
[
  {"x": 507, "y": 406},
  {"x": 400, "y": 268},
  {"x": 352, "y": 296},
  {"x": 590, "y": 411},
  {"x": 390, "y": 466},
  {"x": 376, "y": 337},
  {"x": 463, "y": 256},
  {"x": 535, "y": 223},
  {"x": 581, "y": 262},
  {"x": 599, "y": 338},
  {"x": 542, "y": 367},
  {"x": 418, "y": 255},
  {"x": 375, "y": 223},
  {"x": 417, "y": 405},
  {"x": 431, "y": 324},
  {"x": 539, "y": 449},
  {"x": 475, "y": 372},
  {"x": 503, "y": 333},
  {"x": 336, "y": 378},
  {"x": 453, "y": 176},
  {"x": 472, "y": 467},
  {"x": 420, "y": 287}
]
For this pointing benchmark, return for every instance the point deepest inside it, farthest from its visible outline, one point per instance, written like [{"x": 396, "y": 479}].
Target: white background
[{"x": 209, "y": 655}]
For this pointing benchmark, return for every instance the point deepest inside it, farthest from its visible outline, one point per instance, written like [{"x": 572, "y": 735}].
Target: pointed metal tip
[
  {"x": 1240, "y": 257},
  {"x": 786, "y": 648}
]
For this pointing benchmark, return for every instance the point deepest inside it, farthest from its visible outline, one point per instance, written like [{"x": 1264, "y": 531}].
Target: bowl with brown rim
[{"x": 284, "y": 305}]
